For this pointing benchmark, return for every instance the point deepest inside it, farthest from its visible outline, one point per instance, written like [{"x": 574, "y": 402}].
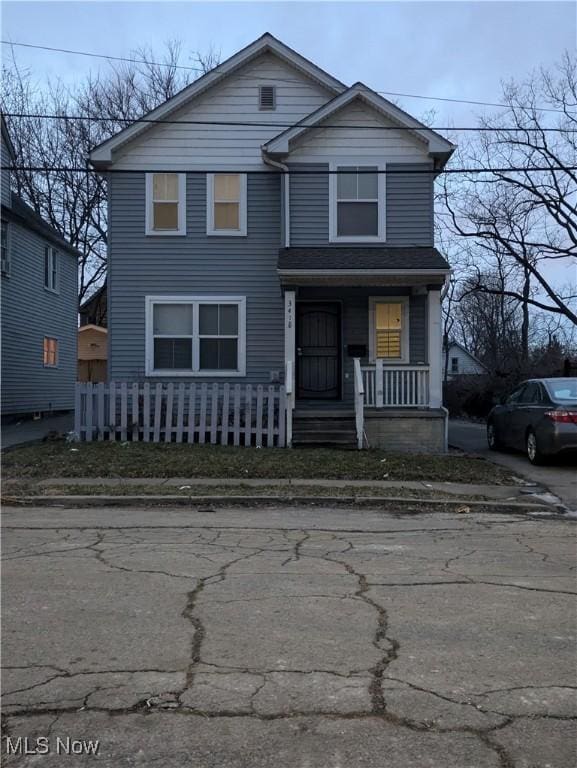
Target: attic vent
[{"x": 267, "y": 97}]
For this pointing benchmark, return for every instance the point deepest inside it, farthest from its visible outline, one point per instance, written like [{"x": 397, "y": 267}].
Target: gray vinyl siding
[
  {"x": 309, "y": 206},
  {"x": 409, "y": 201},
  {"x": 29, "y": 313},
  {"x": 355, "y": 323},
  {"x": 195, "y": 264}
]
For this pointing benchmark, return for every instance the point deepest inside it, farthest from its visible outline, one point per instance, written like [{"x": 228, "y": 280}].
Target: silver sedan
[{"x": 539, "y": 417}]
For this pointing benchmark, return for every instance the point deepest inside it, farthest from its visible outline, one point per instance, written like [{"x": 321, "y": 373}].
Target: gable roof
[
  {"x": 21, "y": 212},
  {"x": 102, "y": 154},
  {"x": 7, "y": 140},
  {"x": 453, "y": 343},
  {"x": 437, "y": 145}
]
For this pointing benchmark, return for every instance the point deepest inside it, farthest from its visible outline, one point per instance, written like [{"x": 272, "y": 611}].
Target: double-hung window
[
  {"x": 50, "y": 269},
  {"x": 357, "y": 203},
  {"x": 226, "y": 204},
  {"x": 389, "y": 321},
  {"x": 50, "y": 352},
  {"x": 165, "y": 204},
  {"x": 5, "y": 236},
  {"x": 195, "y": 336}
]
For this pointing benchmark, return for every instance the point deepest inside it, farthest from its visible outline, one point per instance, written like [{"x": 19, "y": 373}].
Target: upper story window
[
  {"x": 267, "y": 97},
  {"x": 226, "y": 204},
  {"x": 195, "y": 335},
  {"x": 389, "y": 320},
  {"x": 165, "y": 204},
  {"x": 50, "y": 352},
  {"x": 454, "y": 365},
  {"x": 51, "y": 269},
  {"x": 357, "y": 203},
  {"x": 5, "y": 247}
]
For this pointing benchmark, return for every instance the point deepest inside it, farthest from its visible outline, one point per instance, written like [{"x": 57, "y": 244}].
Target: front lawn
[{"x": 60, "y": 459}]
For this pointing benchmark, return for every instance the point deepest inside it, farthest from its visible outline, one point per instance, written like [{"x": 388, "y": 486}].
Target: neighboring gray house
[
  {"x": 39, "y": 307},
  {"x": 280, "y": 224},
  {"x": 460, "y": 362}
]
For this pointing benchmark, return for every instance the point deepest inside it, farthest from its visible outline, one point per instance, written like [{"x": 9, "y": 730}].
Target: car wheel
[
  {"x": 492, "y": 437},
  {"x": 533, "y": 453}
]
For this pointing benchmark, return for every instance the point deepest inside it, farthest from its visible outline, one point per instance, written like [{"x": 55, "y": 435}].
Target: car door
[
  {"x": 507, "y": 417},
  {"x": 526, "y": 413}
]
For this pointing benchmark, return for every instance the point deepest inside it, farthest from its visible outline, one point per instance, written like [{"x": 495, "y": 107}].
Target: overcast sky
[
  {"x": 452, "y": 49},
  {"x": 459, "y": 50}
]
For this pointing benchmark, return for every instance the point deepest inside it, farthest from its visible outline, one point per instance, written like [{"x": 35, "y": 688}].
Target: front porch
[{"x": 368, "y": 359}]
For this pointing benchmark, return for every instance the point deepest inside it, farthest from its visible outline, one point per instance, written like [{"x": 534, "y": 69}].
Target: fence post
[{"x": 78, "y": 410}]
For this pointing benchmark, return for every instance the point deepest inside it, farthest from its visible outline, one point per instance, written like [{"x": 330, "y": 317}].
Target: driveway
[
  {"x": 257, "y": 638},
  {"x": 31, "y": 430},
  {"x": 560, "y": 479}
]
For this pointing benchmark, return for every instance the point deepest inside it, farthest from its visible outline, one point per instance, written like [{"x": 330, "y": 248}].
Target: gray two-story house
[
  {"x": 270, "y": 224},
  {"x": 39, "y": 311}
]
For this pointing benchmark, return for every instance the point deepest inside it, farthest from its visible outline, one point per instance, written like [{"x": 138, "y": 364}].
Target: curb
[{"x": 196, "y": 501}]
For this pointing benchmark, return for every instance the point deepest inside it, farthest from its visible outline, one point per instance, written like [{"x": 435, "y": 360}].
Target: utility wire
[
  {"x": 202, "y": 71},
  {"x": 301, "y": 172},
  {"x": 254, "y": 124}
]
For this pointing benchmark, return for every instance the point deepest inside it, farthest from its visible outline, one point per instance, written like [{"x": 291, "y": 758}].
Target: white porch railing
[
  {"x": 399, "y": 386},
  {"x": 359, "y": 402},
  {"x": 290, "y": 401}
]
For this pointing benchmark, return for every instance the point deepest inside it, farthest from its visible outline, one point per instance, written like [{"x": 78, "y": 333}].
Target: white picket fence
[{"x": 182, "y": 413}]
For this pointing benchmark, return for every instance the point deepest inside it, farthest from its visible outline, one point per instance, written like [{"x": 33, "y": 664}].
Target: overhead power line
[
  {"x": 291, "y": 172},
  {"x": 255, "y": 124},
  {"x": 172, "y": 65}
]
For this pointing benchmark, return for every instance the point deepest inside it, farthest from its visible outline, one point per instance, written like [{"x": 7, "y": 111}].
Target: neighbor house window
[
  {"x": 165, "y": 204},
  {"x": 454, "y": 365},
  {"x": 50, "y": 352},
  {"x": 195, "y": 336},
  {"x": 5, "y": 247},
  {"x": 226, "y": 204},
  {"x": 357, "y": 203},
  {"x": 390, "y": 329},
  {"x": 50, "y": 269}
]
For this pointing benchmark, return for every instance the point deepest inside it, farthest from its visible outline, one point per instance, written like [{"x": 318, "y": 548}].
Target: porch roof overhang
[{"x": 369, "y": 266}]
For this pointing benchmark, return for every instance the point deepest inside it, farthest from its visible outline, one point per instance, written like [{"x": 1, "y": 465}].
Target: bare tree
[
  {"x": 524, "y": 219},
  {"x": 74, "y": 202}
]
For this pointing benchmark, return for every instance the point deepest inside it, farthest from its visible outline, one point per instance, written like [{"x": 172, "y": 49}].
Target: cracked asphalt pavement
[{"x": 293, "y": 638}]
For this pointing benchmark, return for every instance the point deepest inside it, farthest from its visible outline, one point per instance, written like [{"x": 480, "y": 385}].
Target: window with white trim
[
  {"x": 165, "y": 204},
  {"x": 226, "y": 204},
  {"x": 357, "y": 203},
  {"x": 196, "y": 336},
  {"x": 389, "y": 323},
  {"x": 454, "y": 365},
  {"x": 50, "y": 352},
  {"x": 5, "y": 247},
  {"x": 50, "y": 269}
]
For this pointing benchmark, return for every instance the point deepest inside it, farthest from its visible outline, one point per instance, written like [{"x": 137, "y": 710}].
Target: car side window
[
  {"x": 530, "y": 394},
  {"x": 515, "y": 396}
]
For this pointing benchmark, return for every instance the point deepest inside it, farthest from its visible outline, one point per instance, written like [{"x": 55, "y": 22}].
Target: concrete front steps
[{"x": 331, "y": 428}]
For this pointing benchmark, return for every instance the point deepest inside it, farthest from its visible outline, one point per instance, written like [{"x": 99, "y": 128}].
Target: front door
[{"x": 318, "y": 351}]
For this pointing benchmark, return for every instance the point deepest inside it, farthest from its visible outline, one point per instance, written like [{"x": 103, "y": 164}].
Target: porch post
[
  {"x": 435, "y": 350},
  {"x": 289, "y": 356}
]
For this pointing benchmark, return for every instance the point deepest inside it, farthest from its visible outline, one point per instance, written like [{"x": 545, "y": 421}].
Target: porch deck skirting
[{"x": 405, "y": 430}]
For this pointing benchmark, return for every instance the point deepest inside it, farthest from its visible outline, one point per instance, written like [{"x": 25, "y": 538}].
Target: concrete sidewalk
[{"x": 498, "y": 492}]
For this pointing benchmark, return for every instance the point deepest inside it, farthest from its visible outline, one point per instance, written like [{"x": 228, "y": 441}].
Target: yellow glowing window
[
  {"x": 50, "y": 352},
  {"x": 389, "y": 328}
]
